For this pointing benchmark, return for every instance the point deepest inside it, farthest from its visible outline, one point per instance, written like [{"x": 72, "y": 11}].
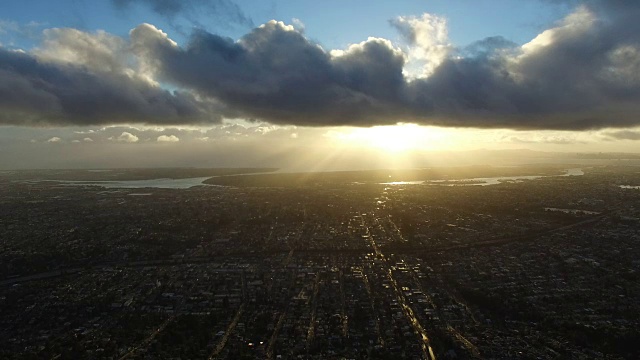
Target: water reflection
[
  {"x": 572, "y": 211},
  {"x": 137, "y": 184},
  {"x": 630, "y": 187},
  {"x": 485, "y": 181}
]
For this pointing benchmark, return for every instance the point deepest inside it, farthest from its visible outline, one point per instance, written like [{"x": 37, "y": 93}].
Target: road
[{"x": 145, "y": 343}]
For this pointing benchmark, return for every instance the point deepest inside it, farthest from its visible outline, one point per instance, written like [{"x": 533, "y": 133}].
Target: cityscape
[
  {"x": 544, "y": 267},
  {"x": 311, "y": 180}
]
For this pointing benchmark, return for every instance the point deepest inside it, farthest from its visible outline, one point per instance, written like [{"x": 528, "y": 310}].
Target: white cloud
[
  {"x": 54, "y": 139},
  {"x": 575, "y": 24},
  {"x": 298, "y": 24},
  {"x": 170, "y": 138},
  {"x": 264, "y": 129},
  {"x": 99, "y": 51},
  {"x": 125, "y": 137},
  {"x": 143, "y": 35},
  {"x": 429, "y": 39},
  {"x": 87, "y": 139},
  {"x": 13, "y": 29},
  {"x": 8, "y": 26}
]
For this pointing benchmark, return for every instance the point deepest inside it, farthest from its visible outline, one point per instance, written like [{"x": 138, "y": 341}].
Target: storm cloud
[
  {"x": 582, "y": 73},
  {"x": 37, "y": 93},
  {"x": 276, "y": 74},
  {"x": 77, "y": 78}
]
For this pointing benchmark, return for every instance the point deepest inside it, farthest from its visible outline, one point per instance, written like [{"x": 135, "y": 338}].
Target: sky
[{"x": 313, "y": 85}]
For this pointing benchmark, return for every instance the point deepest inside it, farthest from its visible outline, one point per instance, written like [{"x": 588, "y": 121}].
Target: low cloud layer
[
  {"x": 168, "y": 138},
  {"x": 583, "y": 73},
  {"x": 125, "y": 137},
  {"x": 624, "y": 135}
]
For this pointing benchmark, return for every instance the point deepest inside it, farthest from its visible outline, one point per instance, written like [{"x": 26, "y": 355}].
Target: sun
[
  {"x": 395, "y": 138},
  {"x": 401, "y": 140}
]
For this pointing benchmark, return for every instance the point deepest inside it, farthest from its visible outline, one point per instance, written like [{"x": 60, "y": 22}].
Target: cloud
[
  {"x": 54, "y": 139},
  {"x": 77, "y": 78},
  {"x": 125, "y": 137},
  {"x": 99, "y": 51},
  {"x": 13, "y": 31},
  {"x": 582, "y": 73},
  {"x": 298, "y": 24},
  {"x": 169, "y": 138},
  {"x": 7, "y": 26},
  {"x": 624, "y": 135},
  {"x": 274, "y": 73},
  {"x": 555, "y": 140},
  {"x": 488, "y": 47},
  {"x": 220, "y": 11},
  {"x": 429, "y": 36},
  {"x": 185, "y": 135},
  {"x": 577, "y": 75}
]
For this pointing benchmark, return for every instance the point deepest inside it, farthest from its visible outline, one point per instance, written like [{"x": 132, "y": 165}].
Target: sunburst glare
[{"x": 394, "y": 139}]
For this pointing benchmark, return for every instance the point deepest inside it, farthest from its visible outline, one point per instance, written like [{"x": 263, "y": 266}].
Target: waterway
[
  {"x": 198, "y": 181},
  {"x": 486, "y": 180},
  {"x": 140, "y": 184},
  {"x": 629, "y": 187},
  {"x": 572, "y": 211}
]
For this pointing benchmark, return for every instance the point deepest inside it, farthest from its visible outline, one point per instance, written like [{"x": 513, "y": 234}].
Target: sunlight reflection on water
[{"x": 484, "y": 181}]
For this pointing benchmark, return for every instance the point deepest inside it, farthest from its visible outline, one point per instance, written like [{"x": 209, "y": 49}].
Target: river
[
  {"x": 486, "y": 180},
  {"x": 198, "y": 181},
  {"x": 139, "y": 184}
]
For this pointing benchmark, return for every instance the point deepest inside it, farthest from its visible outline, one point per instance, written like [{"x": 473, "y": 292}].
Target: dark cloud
[
  {"x": 578, "y": 75},
  {"x": 34, "y": 92},
  {"x": 487, "y": 47},
  {"x": 221, "y": 10},
  {"x": 275, "y": 73},
  {"x": 584, "y": 73},
  {"x": 624, "y": 135}
]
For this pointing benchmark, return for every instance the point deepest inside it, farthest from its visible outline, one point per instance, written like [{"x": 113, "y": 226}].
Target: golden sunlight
[{"x": 395, "y": 138}]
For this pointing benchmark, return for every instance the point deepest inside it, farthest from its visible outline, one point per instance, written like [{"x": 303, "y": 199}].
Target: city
[
  {"x": 293, "y": 180},
  {"x": 540, "y": 268}
]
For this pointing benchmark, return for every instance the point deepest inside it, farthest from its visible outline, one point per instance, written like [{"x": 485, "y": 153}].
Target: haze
[{"x": 358, "y": 85}]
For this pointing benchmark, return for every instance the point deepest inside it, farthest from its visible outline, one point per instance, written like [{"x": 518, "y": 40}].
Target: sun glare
[{"x": 393, "y": 139}]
